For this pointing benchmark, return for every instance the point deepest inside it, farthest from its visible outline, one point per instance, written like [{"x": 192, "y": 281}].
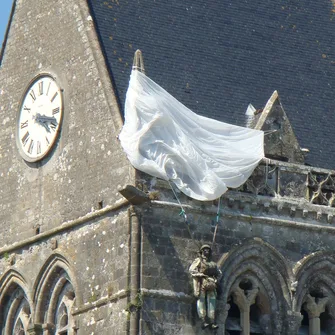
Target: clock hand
[
  {"x": 45, "y": 121},
  {"x": 44, "y": 118},
  {"x": 46, "y": 126}
]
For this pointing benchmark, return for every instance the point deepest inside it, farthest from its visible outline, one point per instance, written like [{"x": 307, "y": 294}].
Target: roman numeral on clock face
[
  {"x": 24, "y": 124},
  {"x": 38, "y": 147},
  {"x": 53, "y": 126},
  {"x": 33, "y": 96},
  {"x": 31, "y": 146},
  {"x": 25, "y": 138},
  {"x": 54, "y": 97},
  {"x": 40, "y": 87},
  {"x": 48, "y": 88},
  {"x": 55, "y": 111}
]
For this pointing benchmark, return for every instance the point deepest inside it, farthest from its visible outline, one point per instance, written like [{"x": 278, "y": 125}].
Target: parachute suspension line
[
  {"x": 181, "y": 206},
  {"x": 217, "y": 221},
  {"x": 183, "y": 213},
  {"x": 268, "y": 132},
  {"x": 266, "y": 171}
]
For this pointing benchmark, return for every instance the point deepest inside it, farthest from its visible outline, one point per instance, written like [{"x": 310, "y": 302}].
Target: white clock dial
[{"x": 40, "y": 118}]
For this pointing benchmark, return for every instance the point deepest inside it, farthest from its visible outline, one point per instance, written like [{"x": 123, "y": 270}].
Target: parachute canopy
[{"x": 165, "y": 139}]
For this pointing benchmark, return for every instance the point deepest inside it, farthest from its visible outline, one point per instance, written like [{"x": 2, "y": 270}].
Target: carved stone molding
[
  {"x": 315, "y": 273},
  {"x": 322, "y": 189},
  {"x": 315, "y": 306},
  {"x": 48, "y": 328},
  {"x": 35, "y": 329},
  {"x": 244, "y": 298},
  {"x": 263, "y": 181}
]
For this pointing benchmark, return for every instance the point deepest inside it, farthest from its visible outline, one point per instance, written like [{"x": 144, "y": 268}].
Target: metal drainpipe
[{"x": 135, "y": 267}]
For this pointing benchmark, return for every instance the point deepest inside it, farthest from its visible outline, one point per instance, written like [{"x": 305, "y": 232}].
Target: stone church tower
[
  {"x": 65, "y": 228},
  {"x": 89, "y": 245}
]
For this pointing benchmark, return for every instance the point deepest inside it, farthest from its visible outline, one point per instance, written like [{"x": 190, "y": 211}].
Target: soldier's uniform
[{"x": 205, "y": 275}]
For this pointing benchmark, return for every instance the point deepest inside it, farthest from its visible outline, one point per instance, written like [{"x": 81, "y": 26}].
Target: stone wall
[
  {"x": 74, "y": 255},
  {"x": 95, "y": 263},
  {"x": 87, "y": 163},
  {"x": 272, "y": 241},
  {"x": 64, "y": 229}
]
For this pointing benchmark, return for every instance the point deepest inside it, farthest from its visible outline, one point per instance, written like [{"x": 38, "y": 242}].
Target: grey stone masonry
[
  {"x": 87, "y": 164},
  {"x": 272, "y": 232},
  {"x": 64, "y": 232},
  {"x": 91, "y": 246}
]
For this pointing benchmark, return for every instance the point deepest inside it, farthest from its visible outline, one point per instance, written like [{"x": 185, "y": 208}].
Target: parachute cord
[
  {"x": 183, "y": 213},
  {"x": 268, "y": 132},
  {"x": 181, "y": 206},
  {"x": 217, "y": 221},
  {"x": 266, "y": 171}
]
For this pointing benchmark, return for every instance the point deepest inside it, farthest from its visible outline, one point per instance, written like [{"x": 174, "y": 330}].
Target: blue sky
[{"x": 5, "y": 8}]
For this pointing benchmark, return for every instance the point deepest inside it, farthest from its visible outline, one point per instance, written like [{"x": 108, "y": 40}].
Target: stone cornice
[
  {"x": 289, "y": 197},
  {"x": 226, "y": 212}
]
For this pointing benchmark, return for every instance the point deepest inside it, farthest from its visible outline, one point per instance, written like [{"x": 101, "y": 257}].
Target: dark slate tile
[{"x": 217, "y": 58}]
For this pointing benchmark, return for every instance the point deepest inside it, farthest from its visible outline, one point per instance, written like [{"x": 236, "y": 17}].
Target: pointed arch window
[
  {"x": 317, "y": 314},
  {"x": 63, "y": 319},
  {"x": 16, "y": 312},
  {"x": 249, "y": 311},
  {"x": 19, "y": 328},
  {"x": 55, "y": 299}
]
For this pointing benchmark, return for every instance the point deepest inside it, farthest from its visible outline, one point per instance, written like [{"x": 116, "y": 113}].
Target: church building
[{"x": 91, "y": 245}]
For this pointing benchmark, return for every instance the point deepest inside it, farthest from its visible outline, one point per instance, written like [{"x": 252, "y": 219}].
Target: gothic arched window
[
  {"x": 15, "y": 312},
  {"x": 55, "y": 298},
  {"x": 62, "y": 317},
  {"x": 316, "y": 311},
  {"x": 19, "y": 328},
  {"x": 249, "y": 308},
  {"x": 256, "y": 285}
]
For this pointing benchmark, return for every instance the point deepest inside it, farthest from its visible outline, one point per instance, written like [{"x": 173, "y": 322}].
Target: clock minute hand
[{"x": 44, "y": 118}]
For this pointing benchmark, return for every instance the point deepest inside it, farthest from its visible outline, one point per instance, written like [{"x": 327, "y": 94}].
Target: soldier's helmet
[{"x": 205, "y": 246}]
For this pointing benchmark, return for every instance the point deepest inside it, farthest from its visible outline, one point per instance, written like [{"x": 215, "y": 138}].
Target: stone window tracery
[
  {"x": 321, "y": 189},
  {"x": 55, "y": 300},
  {"x": 257, "y": 280},
  {"x": 263, "y": 181},
  {"x": 62, "y": 317},
  {"x": 15, "y": 311},
  {"x": 19, "y": 330},
  {"x": 315, "y": 292},
  {"x": 63, "y": 308},
  {"x": 317, "y": 318},
  {"x": 249, "y": 310}
]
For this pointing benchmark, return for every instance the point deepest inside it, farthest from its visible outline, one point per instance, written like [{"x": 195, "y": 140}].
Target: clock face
[{"x": 39, "y": 118}]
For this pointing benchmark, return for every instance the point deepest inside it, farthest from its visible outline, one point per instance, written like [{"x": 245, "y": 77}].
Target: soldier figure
[{"x": 206, "y": 275}]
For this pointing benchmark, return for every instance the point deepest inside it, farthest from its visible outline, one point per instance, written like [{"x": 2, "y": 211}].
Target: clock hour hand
[
  {"x": 44, "y": 120},
  {"x": 46, "y": 126}
]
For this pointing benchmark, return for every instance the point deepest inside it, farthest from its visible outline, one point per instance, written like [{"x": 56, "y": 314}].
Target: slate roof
[{"x": 217, "y": 57}]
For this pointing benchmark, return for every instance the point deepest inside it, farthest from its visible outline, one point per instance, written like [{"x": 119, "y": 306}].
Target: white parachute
[{"x": 165, "y": 139}]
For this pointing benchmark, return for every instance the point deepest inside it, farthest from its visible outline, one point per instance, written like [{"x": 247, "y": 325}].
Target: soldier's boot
[
  {"x": 213, "y": 324},
  {"x": 205, "y": 324}
]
